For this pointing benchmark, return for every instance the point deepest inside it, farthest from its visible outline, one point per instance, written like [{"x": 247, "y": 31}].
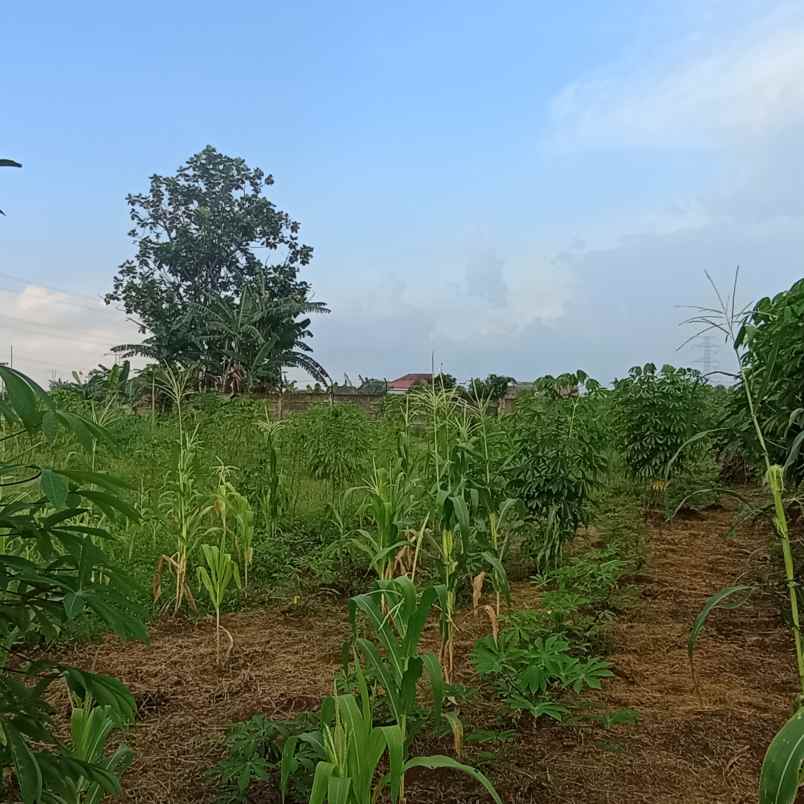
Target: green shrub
[
  {"x": 657, "y": 412},
  {"x": 335, "y": 440},
  {"x": 557, "y": 463}
]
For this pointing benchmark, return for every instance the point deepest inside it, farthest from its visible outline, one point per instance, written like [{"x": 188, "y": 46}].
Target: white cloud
[
  {"x": 732, "y": 91},
  {"x": 54, "y": 333}
]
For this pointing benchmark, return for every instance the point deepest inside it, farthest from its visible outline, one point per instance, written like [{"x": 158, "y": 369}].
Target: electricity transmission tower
[{"x": 707, "y": 355}]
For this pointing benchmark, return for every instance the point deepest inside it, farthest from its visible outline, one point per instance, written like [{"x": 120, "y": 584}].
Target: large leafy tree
[{"x": 212, "y": 248}]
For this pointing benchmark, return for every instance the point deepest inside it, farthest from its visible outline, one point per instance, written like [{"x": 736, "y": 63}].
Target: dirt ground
[{"x": 683, "y": 749}]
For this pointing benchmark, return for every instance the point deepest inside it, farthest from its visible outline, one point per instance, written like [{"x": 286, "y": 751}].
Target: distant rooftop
[{"x": 404, "y": 383}]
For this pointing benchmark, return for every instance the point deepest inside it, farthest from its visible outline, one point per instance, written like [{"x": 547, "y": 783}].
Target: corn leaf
[{"x": 780, "y": 776}]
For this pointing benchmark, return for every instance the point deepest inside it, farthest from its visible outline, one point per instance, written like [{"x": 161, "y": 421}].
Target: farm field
[{"x": 683, "y": 749}]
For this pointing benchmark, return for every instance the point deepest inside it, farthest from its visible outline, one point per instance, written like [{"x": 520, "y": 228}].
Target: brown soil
[{"x": 685, "y": 748}]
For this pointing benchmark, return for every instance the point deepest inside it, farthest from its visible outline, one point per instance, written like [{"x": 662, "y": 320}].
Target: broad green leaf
[
  {"x": 395, "y": 743},
  {"x": 21, "y": 397},
  {"x": 54, "y": 487},
  {"x": 29, "y": 774},
  {"x": 338, "y": 789},
  {"x": 780, "y": 777},
  {"x": 323, "y": 772},
  {"x": 74, "y": 604}
]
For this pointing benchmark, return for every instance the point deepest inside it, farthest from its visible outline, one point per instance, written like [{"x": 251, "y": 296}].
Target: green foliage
[
  {"x": 91, "y": 727},
  {"x": 335, "y": 441},
  {"x": 355, "y": 748},
  {"x": 771, "y": 344},
  {"x": 197, "y": 285},
  {"x": 255, "y": 749},
  {"x": 780, "y": 777},
  {"x": 389, "y": 504},
  {"x": 397, "y": 614},
  {"x": 541, "y": 654},
  {"x": 530, "y": 675},
  {"x": 492, "y": 388},
  {"x": 216, "y": 578},
  {"x": 657, "y": 414},
  {"x": 53, "y": 572},
  {"x": 558, "y": 444}
]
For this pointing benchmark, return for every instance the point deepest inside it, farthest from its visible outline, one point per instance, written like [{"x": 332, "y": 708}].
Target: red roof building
[{"x": 403, "y": 384}]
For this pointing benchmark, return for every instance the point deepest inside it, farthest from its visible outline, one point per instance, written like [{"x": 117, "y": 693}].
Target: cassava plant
[
  {"x": 781, "y": 773},
  {"x": 657, "y": 412},
  {"x": 53, "y": 572},
  {"x": 559, "y": 455}
]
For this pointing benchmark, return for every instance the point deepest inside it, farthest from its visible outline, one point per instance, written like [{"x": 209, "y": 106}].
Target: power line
[
  {"x": 69, "y": 304},
  {"x": 29, "y": 282},
  {"x": 53, "y": 333}
]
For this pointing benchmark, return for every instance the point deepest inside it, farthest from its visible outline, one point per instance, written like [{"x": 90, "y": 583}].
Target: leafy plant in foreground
[
  {"x": 781, "y": 774},
  {"x": 90, "y": 729},
  {"x": 355, "y": 748},
  {"x": 397, "y": 614},
  {"x": 52, "y": 571},
  {"x": 258, "y": 749}
]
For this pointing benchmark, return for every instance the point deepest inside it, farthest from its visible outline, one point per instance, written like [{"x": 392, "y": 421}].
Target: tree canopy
[{"x": 215, "y": 278}]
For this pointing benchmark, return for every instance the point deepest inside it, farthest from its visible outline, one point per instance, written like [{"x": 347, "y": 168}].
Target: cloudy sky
[{"x": 517, "y": 187}]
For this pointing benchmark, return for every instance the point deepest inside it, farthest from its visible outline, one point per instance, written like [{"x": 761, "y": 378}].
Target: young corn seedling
[
  {"x": 216, "y": 578},
  {"x": 90, "y": 728},
  {"x": 781, "y": 773},
  {"x": 355, "y": 749}
]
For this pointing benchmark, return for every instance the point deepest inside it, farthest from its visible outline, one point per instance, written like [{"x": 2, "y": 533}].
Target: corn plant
[
  {"x": 355, "y": 749},
  {"x": 388, "y": 503},
  {"x": 781, "y": 773},
  {"x": 275, "y": 500},
  {"x": 397, "y": 614},
  {"x": 91, "y": 726},
  {"x": 216, "y": 578},
  {"x": 237, "y": 520},
  {"x": 450, "y": 539},
  {"x": 184, "y": 509}
]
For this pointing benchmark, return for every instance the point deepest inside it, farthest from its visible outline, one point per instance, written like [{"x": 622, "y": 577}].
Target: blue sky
[{"x": 520, "y": 187}]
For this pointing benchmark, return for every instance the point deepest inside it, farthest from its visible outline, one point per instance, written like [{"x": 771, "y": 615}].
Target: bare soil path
[{"x": 684, "y": 748}]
